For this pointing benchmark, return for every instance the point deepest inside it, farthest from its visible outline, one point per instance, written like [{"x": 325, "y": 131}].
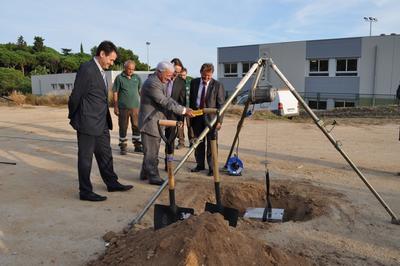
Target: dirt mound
[{"x": 200, "y": 240}]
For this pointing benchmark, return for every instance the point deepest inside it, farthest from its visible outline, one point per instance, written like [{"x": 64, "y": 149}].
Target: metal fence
[{"x": 320, "y": 100}]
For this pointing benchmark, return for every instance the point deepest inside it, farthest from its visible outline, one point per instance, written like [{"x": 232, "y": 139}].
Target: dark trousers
[
  {"x": 100, "y": 147},
  {"x": 126, "y": 115},
  {"x": 198, "y": 125},
  {"x": 151, "y": 147},
  {"x": 181, "y": 132}
]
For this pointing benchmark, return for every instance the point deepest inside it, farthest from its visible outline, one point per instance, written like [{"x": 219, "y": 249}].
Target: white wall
[
  {"x": 290, "y": 59},
  {"x": 387, "y": 64},
  {"x": 43, "y": 84}
]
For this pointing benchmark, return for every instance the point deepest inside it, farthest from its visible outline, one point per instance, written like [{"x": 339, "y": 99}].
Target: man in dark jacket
[
  {"x": 90, "y": 117},
  {"x": 176, "y": 89},
  {"x": 205, "y": 92}
]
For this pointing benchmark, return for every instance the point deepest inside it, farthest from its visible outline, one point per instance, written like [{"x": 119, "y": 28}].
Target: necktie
[
  {"x": 203, "y": 96},
  {"x": 169, "y": 88}
]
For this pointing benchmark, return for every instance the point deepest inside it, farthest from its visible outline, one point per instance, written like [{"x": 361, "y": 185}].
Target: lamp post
[
  {"x": 370, "y": 20},
  {"x": 148, "y": 64}
]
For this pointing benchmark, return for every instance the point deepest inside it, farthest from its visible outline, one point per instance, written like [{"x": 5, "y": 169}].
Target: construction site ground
[{"x": 334, "y": 218}]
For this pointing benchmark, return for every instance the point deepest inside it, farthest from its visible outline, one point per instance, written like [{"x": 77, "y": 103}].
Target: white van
[{"x": 284, "y": 104}]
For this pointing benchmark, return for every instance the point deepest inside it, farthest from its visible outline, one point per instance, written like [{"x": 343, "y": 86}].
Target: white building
[
  {"x": 327, "y": 73},
  {"x": 60, "y": 84}
]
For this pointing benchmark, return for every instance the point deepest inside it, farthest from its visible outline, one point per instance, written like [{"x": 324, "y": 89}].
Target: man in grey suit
[
  {"x": 154, "y": 105},
  {"x": 90, "y": 117},
  {"x": 205, "y": 92}
]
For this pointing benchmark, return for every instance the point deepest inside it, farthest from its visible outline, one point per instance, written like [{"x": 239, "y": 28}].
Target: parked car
[{"x": 284, "y": 104}]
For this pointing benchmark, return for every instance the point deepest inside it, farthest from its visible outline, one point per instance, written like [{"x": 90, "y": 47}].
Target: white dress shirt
[{"x": 200, "y": 91}]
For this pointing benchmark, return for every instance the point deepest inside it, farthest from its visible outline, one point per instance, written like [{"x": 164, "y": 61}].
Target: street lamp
[
  {"x": 370, "y": 20},
  {"x": 148, "y": 64}
]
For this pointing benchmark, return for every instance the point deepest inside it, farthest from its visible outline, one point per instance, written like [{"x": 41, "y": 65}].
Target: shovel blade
[
  {"x": 165, "y": 215},
  {"x": 230, "y": 214}
]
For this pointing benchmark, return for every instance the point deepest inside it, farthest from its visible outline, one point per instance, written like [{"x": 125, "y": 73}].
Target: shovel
[
  {"x": 165, "y": 215},
  {"x": 230, "y": 214}
]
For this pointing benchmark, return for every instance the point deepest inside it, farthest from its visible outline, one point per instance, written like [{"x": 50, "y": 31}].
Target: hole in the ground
[
  {"x": 301, "y": 200},
  {"x": 298, "y": 206}
]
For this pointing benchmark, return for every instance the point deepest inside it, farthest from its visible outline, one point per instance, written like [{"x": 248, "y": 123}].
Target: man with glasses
[
  {"x": 154, "y": 104},
  {"x": 181, "y": 130},
  {"x": 176, "y": 89},
  {"x": 205, "y": 92}
]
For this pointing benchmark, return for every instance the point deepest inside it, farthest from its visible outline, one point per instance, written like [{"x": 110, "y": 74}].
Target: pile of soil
[{"x": 200, "y": 240}]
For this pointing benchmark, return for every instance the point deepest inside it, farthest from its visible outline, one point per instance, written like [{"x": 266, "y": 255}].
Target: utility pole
[{"x": 148, "y": 64}]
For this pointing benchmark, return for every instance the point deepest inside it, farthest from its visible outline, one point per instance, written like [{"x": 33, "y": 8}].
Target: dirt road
[{"x": 42, "y": 222}]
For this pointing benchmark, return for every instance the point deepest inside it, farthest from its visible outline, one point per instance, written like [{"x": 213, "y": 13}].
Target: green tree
[
  {"x": 69, "y": 64},
  {"x": 5, "y": 57},
  {"x": 66, "y": 51},
  {"x": 81, "y": 49},
  {"x": 11, "y": 79},
  {"x": 21, "y": 43},
  {"x": 39, "y": 70},
  {"x": 38, "y": 44},
  {"x": 49, "y": 59},
  {"x": 93, "y": 50},
  {"x": 28, "y": 61}
]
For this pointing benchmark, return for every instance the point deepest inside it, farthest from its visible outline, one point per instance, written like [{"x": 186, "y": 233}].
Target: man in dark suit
[
  {"x": 90, "y": 117},
  {"x": 176, "y": 89},
  {"x": 154, "y": 105},
  {"x": 205, "y": 92}
]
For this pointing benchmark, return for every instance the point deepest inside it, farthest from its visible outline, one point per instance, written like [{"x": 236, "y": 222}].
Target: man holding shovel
[{"x": 154, "y": 104}]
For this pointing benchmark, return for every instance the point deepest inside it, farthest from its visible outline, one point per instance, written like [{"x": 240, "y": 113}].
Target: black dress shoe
[
  {"x": 210, "y": 173},
  {"x": 197, "y": 169},
  {"x": 156, "y": 181},
  {"x": 91, "y": 196},
  {"x": 119, "y": 187}
]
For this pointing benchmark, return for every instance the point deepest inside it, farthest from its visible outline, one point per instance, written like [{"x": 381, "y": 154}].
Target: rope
[{"x": 266, "y": 146}]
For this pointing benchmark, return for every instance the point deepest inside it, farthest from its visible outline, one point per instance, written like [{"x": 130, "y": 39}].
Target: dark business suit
[
  {"x": 90, "y": 117},
  {"x": 179, "y": 95},
  {"x": 214, "y": 98}
]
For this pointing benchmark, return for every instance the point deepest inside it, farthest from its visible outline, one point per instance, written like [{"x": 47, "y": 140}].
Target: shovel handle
[
  {"x": 169, "y": 123},
  {"x": 171, "y": 179},
  {"x": 214, "y": 156},
  {"x": 210, "y": 110}
]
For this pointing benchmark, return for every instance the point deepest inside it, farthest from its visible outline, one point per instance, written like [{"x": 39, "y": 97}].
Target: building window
[
  {"x": 318, "y": 105},
  {"x": 319, "y": 67},
  {"x": 230, "y": 70},
  {"x": 346, "y": 67},
  {"x": 70, "y": 86},
  {"x": 62, "y": 86},
  {"x": 246, "y": 67},
  {"x": 54, "y": 86},
  {"x": 339, "y": 104}
]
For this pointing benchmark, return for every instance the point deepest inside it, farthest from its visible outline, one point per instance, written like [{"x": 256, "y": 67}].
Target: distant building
[
  {"x": 60, "y": 84},
  {"x": 327, "y": 73}
]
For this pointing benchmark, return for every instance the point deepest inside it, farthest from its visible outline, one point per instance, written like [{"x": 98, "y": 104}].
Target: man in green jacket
[{"x": 126, "y": 105}]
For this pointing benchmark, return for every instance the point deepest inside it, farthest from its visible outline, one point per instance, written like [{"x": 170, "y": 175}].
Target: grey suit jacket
[
  {"x": 154, "y": 105},
  {"x": 88, "y": 104}
]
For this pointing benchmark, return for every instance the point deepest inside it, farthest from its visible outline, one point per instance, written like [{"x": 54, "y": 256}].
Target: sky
[{"x": 191, "y": 30}]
